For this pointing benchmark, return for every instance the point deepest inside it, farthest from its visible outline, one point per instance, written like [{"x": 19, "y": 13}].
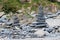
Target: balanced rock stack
[
  {"x": 15, "y": 21},
  {"x": 40, "y": 22}
]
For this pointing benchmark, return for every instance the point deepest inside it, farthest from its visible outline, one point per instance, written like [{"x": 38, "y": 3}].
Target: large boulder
[
  {"x": 58, "y": 0},
  {"x": 41, "y": 33},
  {"x": 53, "y": 22}
]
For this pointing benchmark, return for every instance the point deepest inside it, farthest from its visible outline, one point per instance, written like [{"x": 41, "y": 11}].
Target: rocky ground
[
  {"x": 46, "y": 38},
  {"x": 15, "y": 32}
]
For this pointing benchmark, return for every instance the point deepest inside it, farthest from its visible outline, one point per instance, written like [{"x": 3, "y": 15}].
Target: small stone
[{"x": 20, "y": 11}]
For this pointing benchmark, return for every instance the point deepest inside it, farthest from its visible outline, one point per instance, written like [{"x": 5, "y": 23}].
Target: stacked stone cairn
[{"x": 40, "y": 22}]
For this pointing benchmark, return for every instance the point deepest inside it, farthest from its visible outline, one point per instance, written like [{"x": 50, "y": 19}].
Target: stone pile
[
  {"x": 15, "y": 21},
  {"x": 40, "y": 19}
]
